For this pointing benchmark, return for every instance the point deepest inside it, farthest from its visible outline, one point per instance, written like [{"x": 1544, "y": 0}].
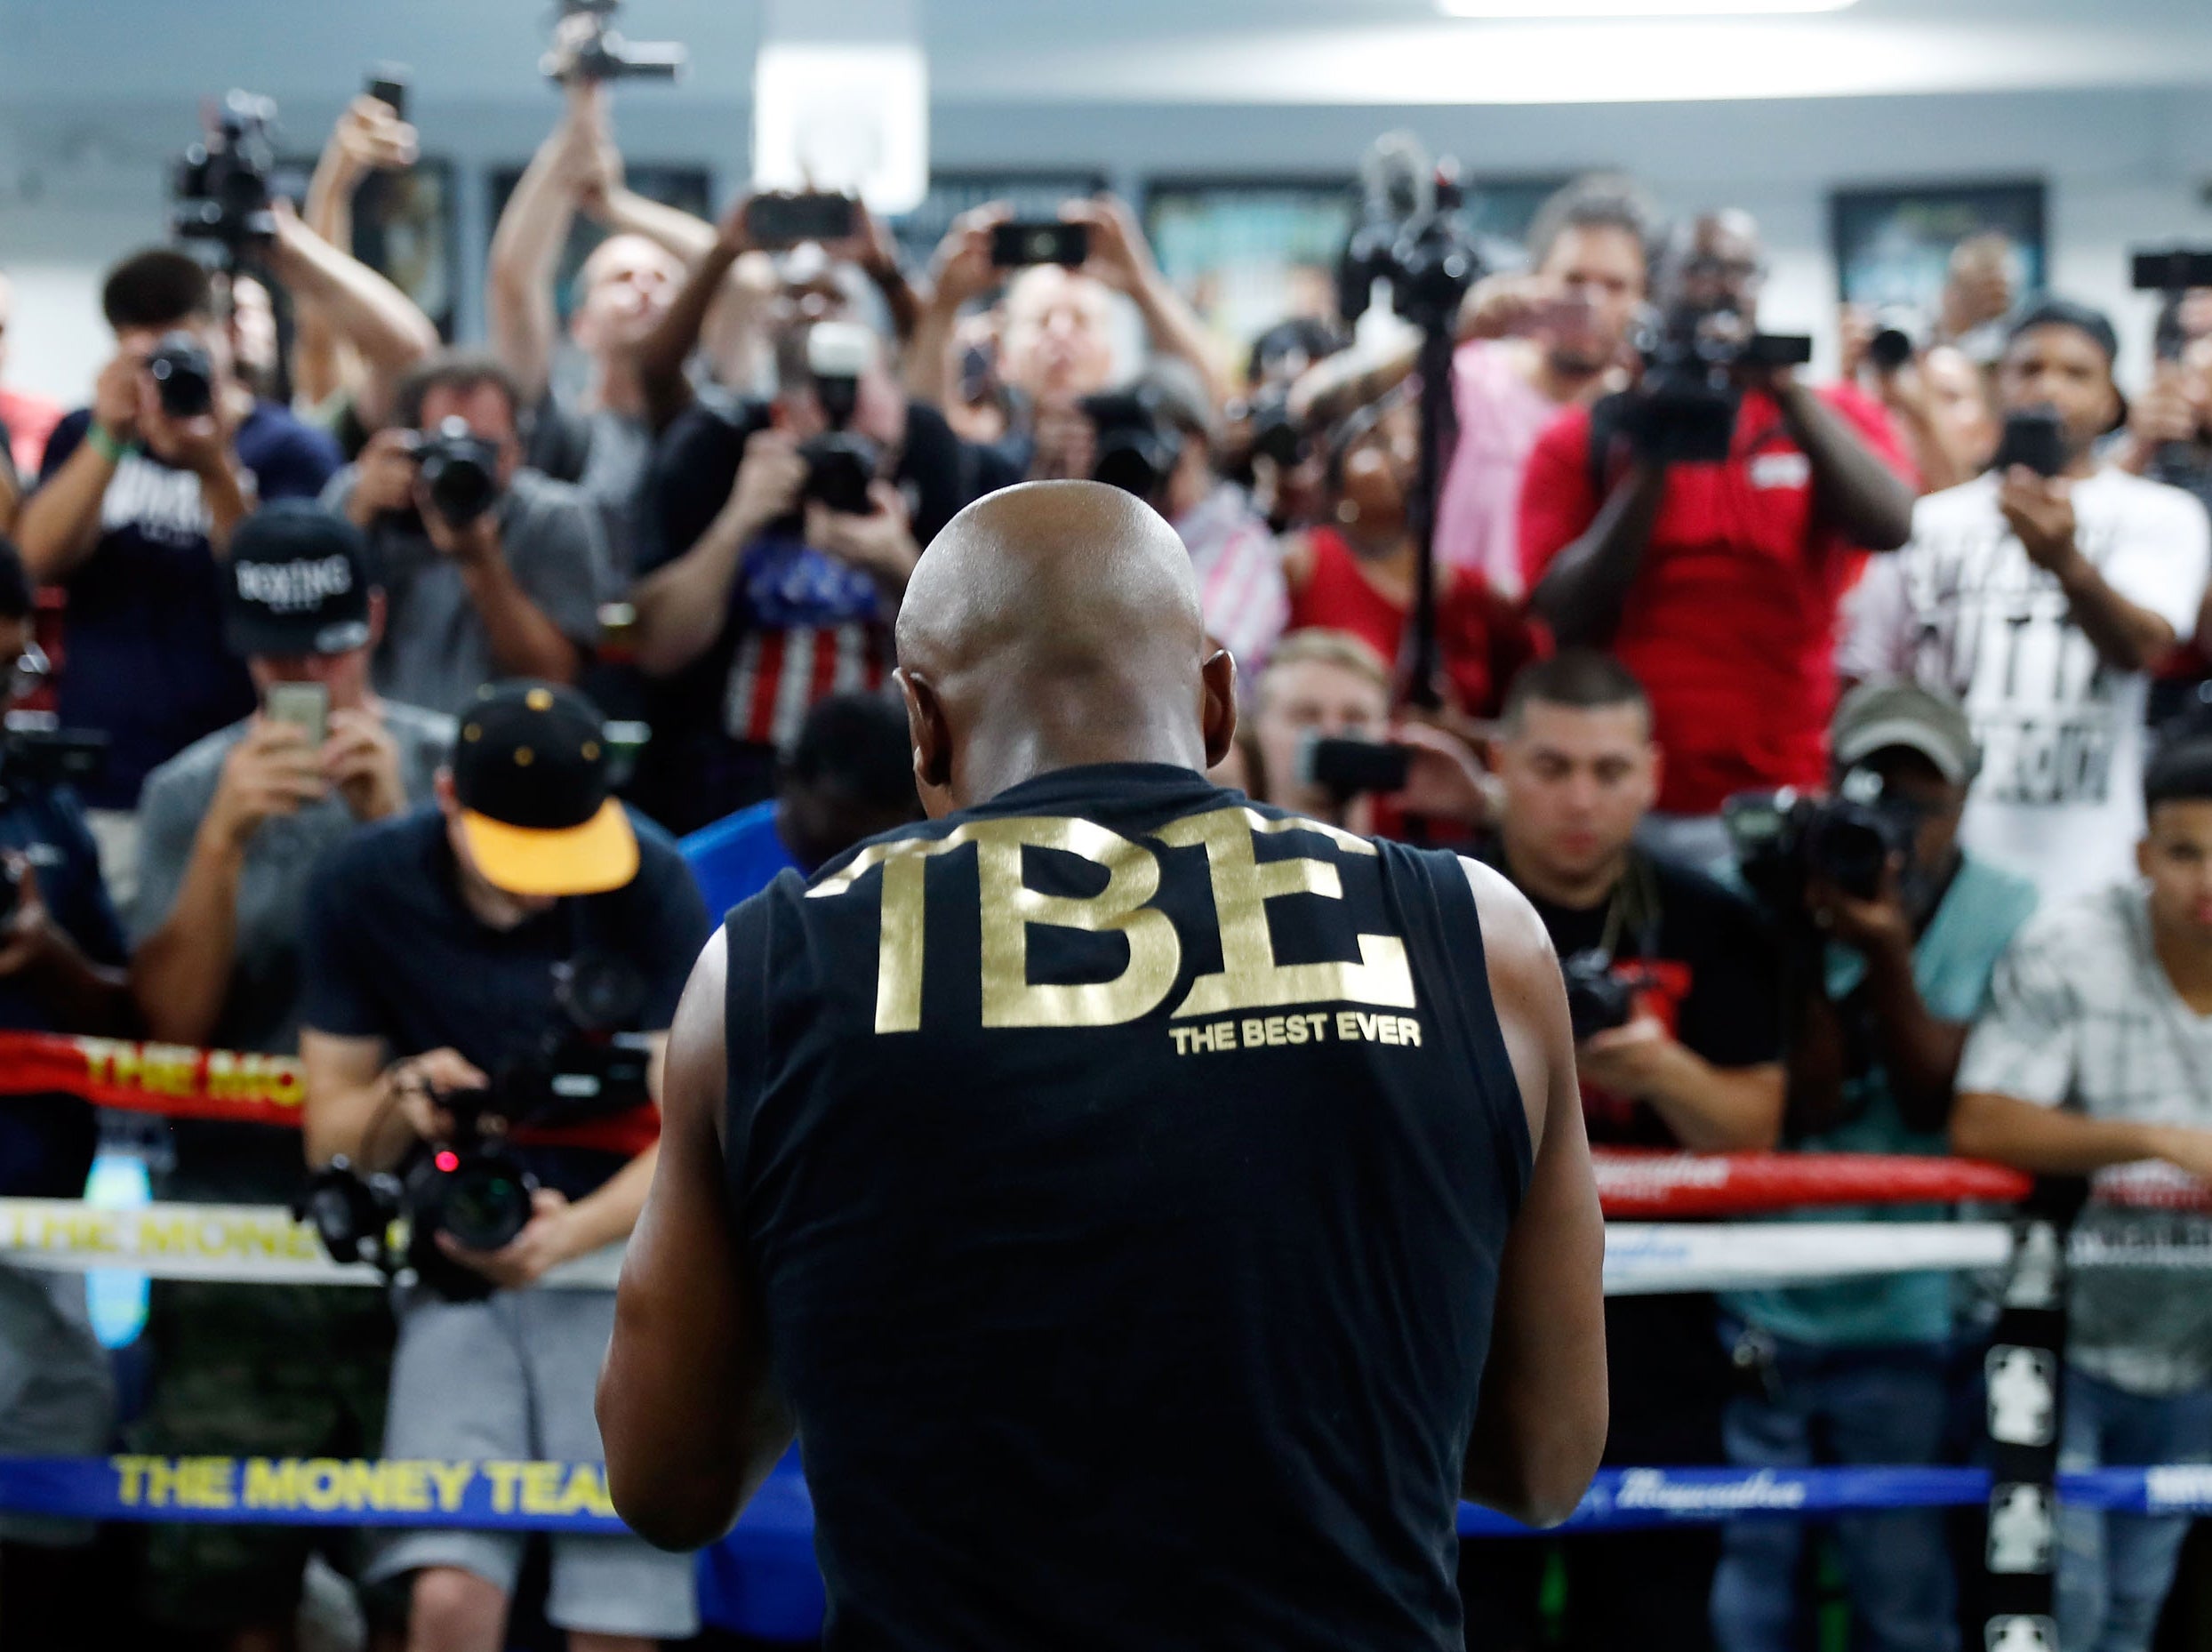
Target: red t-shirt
[
  {"x": 1482, "y": 639},
  {"x": 1731, "y": 622}
]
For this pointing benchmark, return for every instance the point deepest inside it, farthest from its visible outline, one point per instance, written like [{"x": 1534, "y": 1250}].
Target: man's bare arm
[
  {"x": 1540, "y": 1428},
  {"x": 689, "y": 1414}
]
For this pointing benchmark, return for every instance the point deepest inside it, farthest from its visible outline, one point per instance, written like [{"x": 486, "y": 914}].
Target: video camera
[
  {"x": 221, "y": 190},
  {"x": 475, "y": 1187},
  {"x": 587, "y": 47},
  {"x": 1785, "y": 839},
  {"x": 1683, "y": 409}
]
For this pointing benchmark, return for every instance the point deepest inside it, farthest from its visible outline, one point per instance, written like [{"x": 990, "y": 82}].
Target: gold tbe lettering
[
  {"x": 1010, "y": 907},
  {"x": 1249, "y": 977}
]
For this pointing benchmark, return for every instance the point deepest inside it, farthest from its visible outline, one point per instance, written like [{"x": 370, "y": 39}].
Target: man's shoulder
[
  {"x": 193, "y": 772},
  {"x": 2083, "y": 934},
  {"x": 1968, "y": 504},
  {"x": 2142, "y": 500},
  {"x": 419, "y": 722},
  {"x": 370, "y": 854},
  {"x": 1995, "y": 890},
  {"x": 541, "y": 500}
]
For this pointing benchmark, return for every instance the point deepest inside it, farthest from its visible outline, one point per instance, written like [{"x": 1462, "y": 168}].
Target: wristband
[{"x": 104, "y": 442}]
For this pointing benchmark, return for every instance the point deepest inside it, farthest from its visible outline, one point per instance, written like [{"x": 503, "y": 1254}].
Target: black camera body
[
  {"x": 587, "y": 47},
  {"x": 1138, "y": 446},
  {"x": 474, "y": 1186},
  {"x": 1600, "y": 994},
  {"x": 38, "y": 756},
  {"x": 840, "y": 464},
  {"x": 1899, "y": 333},
  {"x": 1683, "y": 410},
  {"x": 1785, "y": 839},
  {"x": 460, "y": 471},
  {"x": 220, "y": 188},
  {"x": 184, "y": 375}
]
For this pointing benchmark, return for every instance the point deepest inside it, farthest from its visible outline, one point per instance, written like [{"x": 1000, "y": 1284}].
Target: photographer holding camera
[
  {"x": 60, "y": 952},
  {"x": 491, "y": 568},
  {"x": 1531, "y": 343},
  {"x": 1902, "y": 931},
  {"x": 1716, "y": 578},
  {"x": 231, "y": 828},
  {"x": 1672, "y": 986},
  {"x": 2039, "y": 595},
  {"x": 136, "y": 504},
  {"x": 484, "y": 943},
  {"x": 792, "y": 535}
]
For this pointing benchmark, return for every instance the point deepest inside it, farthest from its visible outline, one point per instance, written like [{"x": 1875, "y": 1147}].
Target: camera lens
[{"x": 487, "y": 1203}]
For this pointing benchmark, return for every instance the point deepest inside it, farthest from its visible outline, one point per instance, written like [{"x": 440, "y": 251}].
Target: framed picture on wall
[
  {"x": 1502, "y": 209},
  {"x": 405, "y": 226},
  {"x": 1892, "y": 245},
  {"x": 1249, "y": 251},
  {"x": 1032, "y": 194},
  {"x": 690, "y": 188}
]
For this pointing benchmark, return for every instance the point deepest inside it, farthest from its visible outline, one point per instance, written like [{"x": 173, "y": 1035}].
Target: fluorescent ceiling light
[{"x": 1635, "y": 8}]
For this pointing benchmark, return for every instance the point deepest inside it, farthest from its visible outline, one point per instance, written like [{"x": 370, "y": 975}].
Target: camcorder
[
  {"x": 1784, "y": 840},
  {"x": 588, "y": 47},
  {"x": 474, "y": 1186},
  {"x": 1138, "y": 444},
  {"x": 184, "y": 375},
  {"x": 221, "y": 190},
  {"x": 840, "y": 463},
  {"x": 1600, "y": 992},
  {"x": 1683, "y": 409}
]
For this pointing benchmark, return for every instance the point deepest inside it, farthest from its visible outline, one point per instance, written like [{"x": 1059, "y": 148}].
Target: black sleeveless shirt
[{"x": 1125, "y": 1169}]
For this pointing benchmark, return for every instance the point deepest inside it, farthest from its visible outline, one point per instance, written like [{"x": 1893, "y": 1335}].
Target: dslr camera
[
  {"x": 221, "y": 190},
  {"x": 460, "y": 471},
  {"x": 1683, "y": 409},
  {"x": 587, "y": 47},
  {"x": 1600, "y": 993},
  {"x": 840, "y": 463},
  {"x": 475, "y": 1187},
  {"x": 1785, "y": 839},
  {"x": 184, "y": 375},
  {"x": 1138, "y": 445}
]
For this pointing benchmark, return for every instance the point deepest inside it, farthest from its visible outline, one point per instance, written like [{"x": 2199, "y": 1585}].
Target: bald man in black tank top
[{"x": 1153, "y": 1212}]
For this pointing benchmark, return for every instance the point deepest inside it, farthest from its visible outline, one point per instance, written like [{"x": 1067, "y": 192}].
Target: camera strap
[{"x": 1634, "y": 908}]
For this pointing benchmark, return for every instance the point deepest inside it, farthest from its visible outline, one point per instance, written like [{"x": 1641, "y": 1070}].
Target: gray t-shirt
[
  {"x": 605, "y": 454},
  {"x": 2081, "y": 1015},
  {"x": 217, "y": 1161},
  {"x": 436, "y": 651}
]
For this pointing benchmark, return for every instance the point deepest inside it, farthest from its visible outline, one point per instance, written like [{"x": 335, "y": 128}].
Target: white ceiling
[{"x": 1271, "y": 51}]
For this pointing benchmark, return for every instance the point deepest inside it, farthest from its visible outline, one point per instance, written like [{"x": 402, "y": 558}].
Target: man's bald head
[{"x": 1052, "y": 624}]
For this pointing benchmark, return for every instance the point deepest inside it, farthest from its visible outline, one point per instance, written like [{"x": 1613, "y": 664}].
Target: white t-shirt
[{"x": 1961, "y": 609}]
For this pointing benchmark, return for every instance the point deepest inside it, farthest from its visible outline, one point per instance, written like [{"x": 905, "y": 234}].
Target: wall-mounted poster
[
  {"x": 1892, "y": 245},
  {"x": 1248, "y": 253},
  {"x": 1030, "y": 194},
  {"x": 404, "y": 227}
]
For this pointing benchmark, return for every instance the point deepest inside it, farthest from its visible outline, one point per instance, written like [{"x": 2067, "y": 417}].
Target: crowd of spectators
[{"x": 699, "y": 499}]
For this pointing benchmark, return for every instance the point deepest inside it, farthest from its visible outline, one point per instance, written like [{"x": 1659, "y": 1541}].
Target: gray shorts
[
  {"x": 513, "y": 1377},
  {"x": 57, "y": 1390}
]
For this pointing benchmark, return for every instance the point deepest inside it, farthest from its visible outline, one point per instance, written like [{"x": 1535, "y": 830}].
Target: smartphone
[
  {"x": 2034, "y": 439},
  {"x": 1348, "y": 766},
  {"x": 2175, "y": 269},
  {"x": 388, "y": 84},
  {"x": 781, "y": 220},
  {"x": 306, "y": 706},
  {"x": 1038, "y": 241}
]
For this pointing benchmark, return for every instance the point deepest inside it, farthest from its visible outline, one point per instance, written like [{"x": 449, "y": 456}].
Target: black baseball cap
[
  {"x": 530, "y": 772},
  {"x": 2063, "y": 312},
  {"x": 297, "y": 583}
]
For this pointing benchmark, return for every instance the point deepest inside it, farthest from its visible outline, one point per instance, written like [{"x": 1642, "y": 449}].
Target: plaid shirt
[{"x": 2081, "y": 1015}]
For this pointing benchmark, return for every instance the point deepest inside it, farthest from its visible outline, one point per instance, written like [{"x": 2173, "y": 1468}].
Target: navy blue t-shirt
[
  {"x": 146, "y": 661},
  {"x": 391, "y": 951},
  {"x": 47, "y": 1142}
]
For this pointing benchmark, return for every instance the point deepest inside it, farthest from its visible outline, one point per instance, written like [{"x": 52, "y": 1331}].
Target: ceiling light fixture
[{"x": 1574, "y": 9}]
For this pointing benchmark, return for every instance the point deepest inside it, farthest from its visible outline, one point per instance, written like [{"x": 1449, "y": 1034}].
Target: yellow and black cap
[{"x": 530, "y": 772}]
